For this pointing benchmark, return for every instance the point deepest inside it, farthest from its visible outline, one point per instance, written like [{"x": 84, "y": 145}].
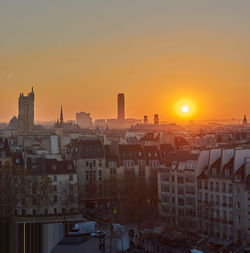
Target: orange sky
[{"x": 81, "y": 55}]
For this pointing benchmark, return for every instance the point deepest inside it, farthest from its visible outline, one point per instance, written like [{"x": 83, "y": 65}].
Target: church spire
[{"x": 61, "y": 116}]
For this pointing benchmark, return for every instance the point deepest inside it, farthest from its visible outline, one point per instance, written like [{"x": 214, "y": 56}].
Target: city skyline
[{"x": 166, "y": 51}]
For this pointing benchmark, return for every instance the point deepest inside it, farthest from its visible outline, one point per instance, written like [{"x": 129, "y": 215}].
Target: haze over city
[
  {"x": 124, "y": 126},
  {"x": 82, "y": 53}
]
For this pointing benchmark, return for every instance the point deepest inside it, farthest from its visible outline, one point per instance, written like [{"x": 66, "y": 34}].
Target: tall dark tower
[
  {"x": 121, "y": 106},
  {"x": 26, "y": 112},
  {"x": 61, "y": 116}
]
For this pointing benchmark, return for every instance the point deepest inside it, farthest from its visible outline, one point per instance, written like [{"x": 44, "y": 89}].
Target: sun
[{"x": 185, "y": 109}]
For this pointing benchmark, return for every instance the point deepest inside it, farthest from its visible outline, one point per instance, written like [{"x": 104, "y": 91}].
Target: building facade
[{"x": 26, "y": 112}]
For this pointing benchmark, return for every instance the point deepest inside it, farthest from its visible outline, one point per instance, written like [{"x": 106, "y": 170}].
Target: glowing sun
[{"x": 185, "y": 109}]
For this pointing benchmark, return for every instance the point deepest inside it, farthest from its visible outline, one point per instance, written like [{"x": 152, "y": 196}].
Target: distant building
[
  {"x": 83, "y": 120},
  {"x": 145, "y": 119},
  {"x": 156, "y": 119},
  {"x": 62, "y": 126},
  {"x": 121, "y": 106},
  {"x": 100, "y": 123},
  {"x": 26, "y": 112},
  {"x": 13, "y": 124},
  {"x": 244, "y": 122}
]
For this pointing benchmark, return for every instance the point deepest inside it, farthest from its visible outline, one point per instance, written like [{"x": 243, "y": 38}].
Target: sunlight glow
[{"x": 185, "y": 108}]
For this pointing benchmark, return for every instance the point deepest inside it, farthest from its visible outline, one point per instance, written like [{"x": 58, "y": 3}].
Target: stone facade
[{"x": 26, "y": 112}]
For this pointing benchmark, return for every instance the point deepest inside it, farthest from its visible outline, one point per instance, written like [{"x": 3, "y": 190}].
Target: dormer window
[
  {"x": 174, "y": 165},
  {"x": 53, "y": 166},
  {"x": 155, "y": 154},
  {"x": 238, "y": 178},
  {"x": 3, "y": 154},
  {"x": 17, "y": 160},
  {"x": 70, "y": 166},
  {"x": 139, "y": 153},
  {"x": 149, "y": 154},
  {"x": 227, "y": 172}
]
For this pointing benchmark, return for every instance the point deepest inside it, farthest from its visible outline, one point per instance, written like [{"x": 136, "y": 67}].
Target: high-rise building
[
  {"x": 26, "y": 112},
  {"x": 121, "y": 107},
  {"x": 156, "y": 119},
  {"x": 83, "y": 120}
]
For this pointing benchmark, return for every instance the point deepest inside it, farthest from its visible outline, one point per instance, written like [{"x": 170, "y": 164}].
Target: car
[{"x": 98, "y": 233}]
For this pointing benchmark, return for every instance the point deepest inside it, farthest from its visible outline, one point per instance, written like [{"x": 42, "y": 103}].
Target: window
[
  {"x": 3, "y": 154},
  {"x": 139, "y": 153},
  {"x": 238, "y": 205},
  {"x": 211, "y": 186},
  {"x": 100, "y": 175},
  {"x": 54, "y": 167},
  {"x": 238, "y": 192},
  {"x": 34, "y": 211},
  {"x": 55, "y": 188},
  {"x": 55, "y": 198},
  {"x": 238, "y": 219},
  {"x": 55, "y": 210},
  {"x": 100, "y": 163},
  {"x": 70, "y": 166},
  {"x": 70, "y": 177},
  {"x": 1, "y": 145},
  {"x": 238, "y": 178},
  {"x": 55, "y": 178},
  {"x": 217, "y": 187},
  {"x": 17, "y": 161}
]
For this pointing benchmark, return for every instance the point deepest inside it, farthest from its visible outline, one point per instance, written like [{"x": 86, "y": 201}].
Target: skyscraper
[
  {"x": 26, "y": 112},
  {"x": 121, "y": 107}
]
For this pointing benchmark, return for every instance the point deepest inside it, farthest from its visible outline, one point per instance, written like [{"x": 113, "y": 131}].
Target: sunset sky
[{"x": 81, "y": 53}]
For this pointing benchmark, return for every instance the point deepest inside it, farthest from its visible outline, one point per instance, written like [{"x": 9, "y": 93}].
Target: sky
[{"x": 81, "y": 53}]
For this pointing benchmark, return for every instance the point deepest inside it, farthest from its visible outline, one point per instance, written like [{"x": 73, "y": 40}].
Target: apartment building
[{"x": 177, "y": 187}]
